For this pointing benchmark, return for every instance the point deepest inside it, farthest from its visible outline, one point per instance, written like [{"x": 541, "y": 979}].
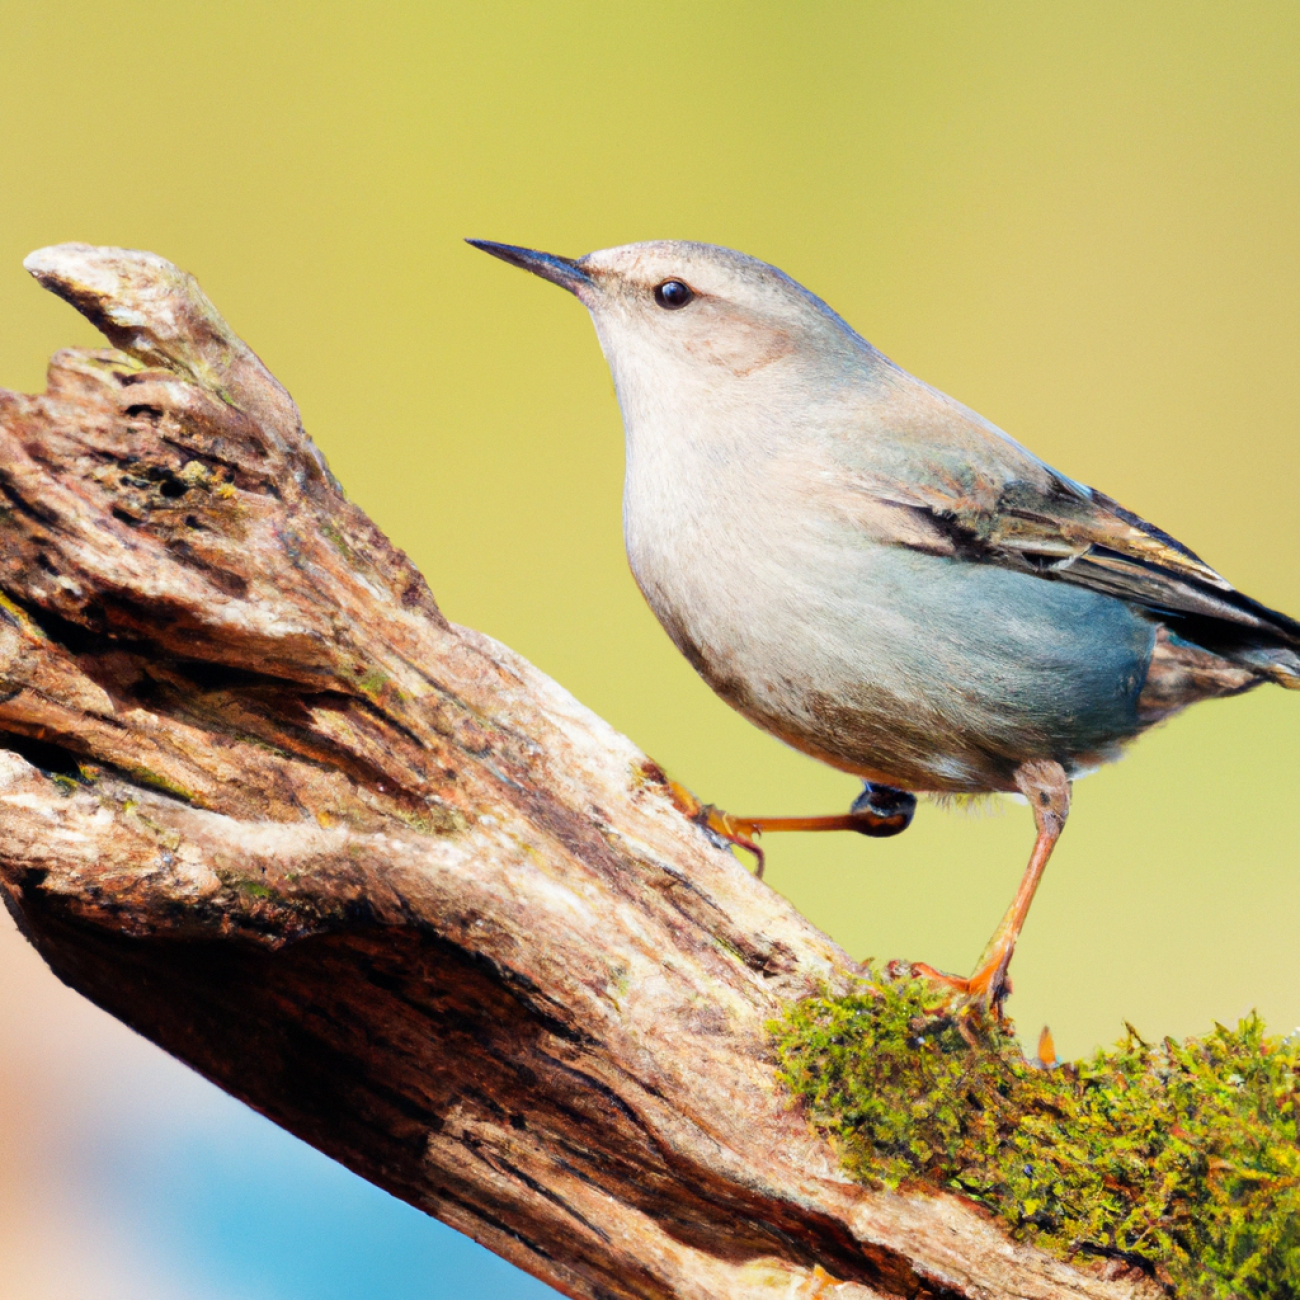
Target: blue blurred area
[{"x": 250, "y": 1213}]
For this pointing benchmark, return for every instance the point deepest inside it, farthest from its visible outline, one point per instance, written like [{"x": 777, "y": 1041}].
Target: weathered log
[{"x": 380, "y": 878}]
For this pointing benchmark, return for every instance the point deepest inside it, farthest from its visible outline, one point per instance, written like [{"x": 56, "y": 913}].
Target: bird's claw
[
  {"x": 721, "y": 827},
  {"x": 970, "y": 1001}
]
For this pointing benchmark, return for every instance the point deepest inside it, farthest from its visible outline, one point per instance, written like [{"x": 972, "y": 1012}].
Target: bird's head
[{"x": 687, "y": 322}]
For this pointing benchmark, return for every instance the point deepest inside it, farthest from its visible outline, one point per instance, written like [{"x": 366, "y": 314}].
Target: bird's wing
[{"x": 979, "y": 495}]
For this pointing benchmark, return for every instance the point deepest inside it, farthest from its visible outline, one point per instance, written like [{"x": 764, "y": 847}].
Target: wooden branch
[{"x": 380, "y": 878}]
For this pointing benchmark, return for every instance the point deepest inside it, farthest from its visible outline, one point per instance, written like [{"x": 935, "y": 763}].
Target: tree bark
[{"x": 380, "y": 878}]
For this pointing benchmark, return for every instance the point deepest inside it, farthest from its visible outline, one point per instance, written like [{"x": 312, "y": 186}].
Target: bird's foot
[
  {"x": 879, "y": 811},
  {"x": 721, "y": 827},
  {"x": 976, "y": 999}
]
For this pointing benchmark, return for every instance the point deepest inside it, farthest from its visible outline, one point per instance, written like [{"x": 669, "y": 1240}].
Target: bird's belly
[{"x": 928, "y": 672}]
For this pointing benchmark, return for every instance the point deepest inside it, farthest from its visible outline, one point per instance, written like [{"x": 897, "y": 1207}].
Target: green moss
[
  {"x": 19, "y": 618},
  {"x": 147, "y": 776},
  {"x": 376, "y": 684},
  {"x": 373, "y": 682},
  {"x": 428, "y": 822},
  {"x": 620, "y": 985},
  {"x": 719, "y": 941},
  {"x": 330, "y": 531},
  {"x": 1181, "y": 1158}
]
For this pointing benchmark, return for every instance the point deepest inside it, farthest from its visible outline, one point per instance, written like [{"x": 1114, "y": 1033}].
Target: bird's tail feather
[{"x": 1278, "y": 664}]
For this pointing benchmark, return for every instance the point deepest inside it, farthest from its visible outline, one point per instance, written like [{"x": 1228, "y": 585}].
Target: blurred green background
[{"x": 1082, "y": 219}]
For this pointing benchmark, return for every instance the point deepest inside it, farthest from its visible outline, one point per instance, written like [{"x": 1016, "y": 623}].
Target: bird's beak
[{"x": 563, "y": 271}]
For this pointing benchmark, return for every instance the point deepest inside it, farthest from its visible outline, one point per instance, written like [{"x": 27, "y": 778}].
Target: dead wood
[{"x": 380, "y": 878}]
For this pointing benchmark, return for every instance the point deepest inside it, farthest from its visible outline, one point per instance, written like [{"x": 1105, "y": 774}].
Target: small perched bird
[{"x": 877, "y": 575}]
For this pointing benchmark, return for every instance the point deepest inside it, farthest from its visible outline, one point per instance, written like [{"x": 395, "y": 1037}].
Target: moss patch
[
  {"x": 164, "y": 783},
  {"x": 1180, "y": 1158}
]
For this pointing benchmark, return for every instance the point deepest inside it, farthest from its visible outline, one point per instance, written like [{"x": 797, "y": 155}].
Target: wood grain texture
[{"x": 380, "y": 878}]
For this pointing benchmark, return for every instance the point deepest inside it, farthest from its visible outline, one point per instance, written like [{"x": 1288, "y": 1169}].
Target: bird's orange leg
[
  {"x": 1047, "y": 788},
  {"x": 879, "y": 811}
]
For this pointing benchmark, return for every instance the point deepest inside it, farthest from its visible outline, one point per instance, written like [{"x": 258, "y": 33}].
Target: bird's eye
[{"x": 673, "y": 294}]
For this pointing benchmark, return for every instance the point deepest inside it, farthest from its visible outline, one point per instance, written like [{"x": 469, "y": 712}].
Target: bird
[{"x": 879, "y": 576}]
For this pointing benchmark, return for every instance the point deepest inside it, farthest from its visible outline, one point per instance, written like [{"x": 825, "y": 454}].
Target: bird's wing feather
[{"x": 972, "y": 491}]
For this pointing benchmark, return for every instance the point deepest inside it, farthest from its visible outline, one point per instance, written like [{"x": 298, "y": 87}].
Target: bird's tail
[
  {"x": 1276, "y": 663},
  {"x": 1259, "y": 640},
  {"x": 1183, "y": 671}
]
